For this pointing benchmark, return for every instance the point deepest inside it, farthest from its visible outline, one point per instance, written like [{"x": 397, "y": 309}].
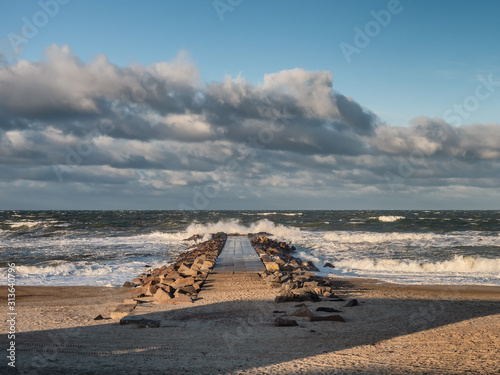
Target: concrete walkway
[{"x": 238, "y": 255}]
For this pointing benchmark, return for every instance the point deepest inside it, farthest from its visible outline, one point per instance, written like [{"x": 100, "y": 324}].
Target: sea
[{"x": 107, "y": 248}]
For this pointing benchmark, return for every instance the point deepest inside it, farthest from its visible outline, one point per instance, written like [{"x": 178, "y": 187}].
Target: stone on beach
[
  {"x": 303, "y": 312},
  {"x": 285, "y": 322},
  {"x": 333, "y": 318},
  {"x": 351, "y": 303},
  {"x": 131, "y": 319},
  {"x": 327, "y": 309}
]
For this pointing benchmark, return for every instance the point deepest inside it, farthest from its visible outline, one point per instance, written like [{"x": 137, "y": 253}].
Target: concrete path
[{"x": 238, "y": 255}]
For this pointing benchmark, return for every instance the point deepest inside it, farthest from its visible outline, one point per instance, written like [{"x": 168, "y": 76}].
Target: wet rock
[
  {"x": 328, "y": 264},
  {"x": 351, "y": 303},
  {"x": 128, "y": 284},
  {"x": 285, "y": 322},
  {"x": 309, "y": 266},
  {"x": 193, "y": 237}
]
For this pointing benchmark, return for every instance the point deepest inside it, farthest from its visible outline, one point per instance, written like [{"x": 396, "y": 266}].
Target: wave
[
  {"x": 459, "y": 264},
  {"x": 29, "y": 224},
  {"x": 388, "y": 219},
  {"x": 229, "y": 226},
  {"x": 84, "y": 273},
  {"x": 469, "y": 238},
  {"x": 375, "y": 237}
]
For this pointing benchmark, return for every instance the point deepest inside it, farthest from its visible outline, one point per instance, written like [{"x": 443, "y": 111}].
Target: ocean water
[{"x": 110, "y": 247}]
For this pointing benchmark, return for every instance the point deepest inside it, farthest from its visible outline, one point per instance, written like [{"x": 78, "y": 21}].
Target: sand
[{"x": 230, "y": 330}]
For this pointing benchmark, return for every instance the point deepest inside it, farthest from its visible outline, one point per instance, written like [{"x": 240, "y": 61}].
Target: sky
[{"x": 232, "y": 104}]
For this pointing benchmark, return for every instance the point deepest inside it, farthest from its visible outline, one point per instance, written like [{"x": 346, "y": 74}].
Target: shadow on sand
[{"x": 232, "y": 336}]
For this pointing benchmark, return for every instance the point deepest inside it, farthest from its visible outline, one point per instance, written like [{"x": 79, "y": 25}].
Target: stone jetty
[{"x": 180, "y": 282}]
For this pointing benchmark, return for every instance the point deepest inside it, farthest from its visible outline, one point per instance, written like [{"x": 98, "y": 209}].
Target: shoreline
[{"x": 196, "y": 317}]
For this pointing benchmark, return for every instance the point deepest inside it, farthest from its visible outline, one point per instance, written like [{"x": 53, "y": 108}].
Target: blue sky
[{"x": 430, "y": 56}]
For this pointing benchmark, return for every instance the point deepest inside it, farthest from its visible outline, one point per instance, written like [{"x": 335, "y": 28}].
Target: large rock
[
  {"x": 285, "y": 322},
  {"x": 183, "y": 281},
  {"x": 333, "y": 318},
  {"x": 272, "y": 266},
  {"x": 186, "y": 271},
  {"x": 303, "y": 312},
  {"x": 131, "y": 319},
  {"x": 207, "y": 265},
  {"x": 162, "y": 297},
  {"x": 188, "y": 289},
  {"x": 327, "y": 309}
]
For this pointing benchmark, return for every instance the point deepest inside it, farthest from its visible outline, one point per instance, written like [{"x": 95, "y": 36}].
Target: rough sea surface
[{"x": 110, "y": 247}]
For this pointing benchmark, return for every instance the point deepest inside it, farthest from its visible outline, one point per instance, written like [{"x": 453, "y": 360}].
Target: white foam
[
  {"x": 459, "y": 264},
  {"x": 229, "y": 226},
  {"x": 30, "y": 223},
  {"x": 84, "y": 273},
  {"x": 388, "y": 219}
]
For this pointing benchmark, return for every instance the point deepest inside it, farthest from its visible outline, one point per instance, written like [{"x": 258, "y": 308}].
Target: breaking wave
[
  {"x": 229, "y": 226},
  {"x": 459, "y": 264},
  {"x": 388, "y": 219}
]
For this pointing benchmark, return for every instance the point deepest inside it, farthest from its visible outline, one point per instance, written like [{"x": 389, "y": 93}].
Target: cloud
[{"x": 159, "y": 129}]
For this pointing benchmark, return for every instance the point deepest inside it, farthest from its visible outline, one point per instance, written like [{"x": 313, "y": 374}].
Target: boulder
[
  {"x": 128, "y": 284},
  {"x": 303, "y": 312},
  {"x": 184, "y": 270},
  {"x": 272, "y": 266},
  {"x": 162, "y": 297},
  {"x": 131, "y": 319},
  {"x": 351, "y": 303},
  {"x": 207, "y": 265},
  {"x": 328, "y": 264},
  {"x": 285, "y": 322},
  {"x": 182, "y": 281},
  {"x": 333, "y": 318},
  {"x": 188, "y": 289},
  {"x": 327, "y": 309}
]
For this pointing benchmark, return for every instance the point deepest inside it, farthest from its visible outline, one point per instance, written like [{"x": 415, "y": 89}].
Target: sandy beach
[{"x": 230, "y": 329}]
